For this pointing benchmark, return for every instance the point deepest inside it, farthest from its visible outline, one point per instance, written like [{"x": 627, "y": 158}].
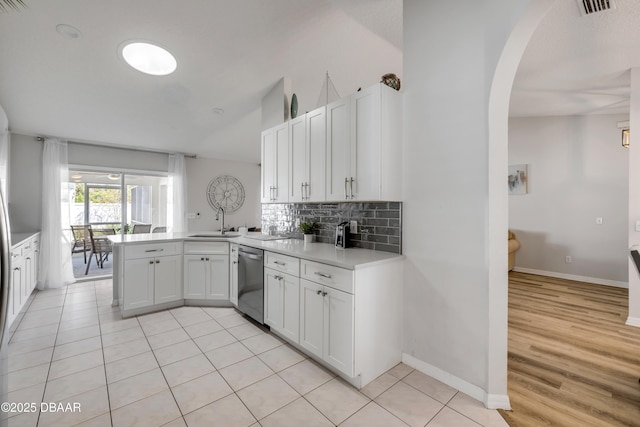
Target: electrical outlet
[
  {"x": 297, "y": 222},
  {"x": 191, "y": 215},
  {"x": 353, "y": 227},
  {"x": 599, "y": 221},
  {"x": 568, "y": 259}
]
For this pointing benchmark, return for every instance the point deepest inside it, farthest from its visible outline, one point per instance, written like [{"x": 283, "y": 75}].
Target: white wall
[
  {"x": 201, "y": 171},
  {"x": 577, "y": 173},
  {"x": 448, "y": 79},
  {"x": 276, "y": 104},
  {"x": 25, "y": 184},
  {"x": 634, "y": 197},
  {"x": 119, "y": 158}
]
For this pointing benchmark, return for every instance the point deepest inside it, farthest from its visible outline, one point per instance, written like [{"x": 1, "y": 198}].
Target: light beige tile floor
[{"x": 194, "y": 366}]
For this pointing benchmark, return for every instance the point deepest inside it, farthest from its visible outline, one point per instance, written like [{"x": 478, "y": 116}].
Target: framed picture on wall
[{"x": 518, "y": 179}]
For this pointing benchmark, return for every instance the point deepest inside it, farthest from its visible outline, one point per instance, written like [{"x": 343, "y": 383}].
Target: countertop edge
[
  {"x": 268, "y": 245},
  {"x": 19, "y": 238}
]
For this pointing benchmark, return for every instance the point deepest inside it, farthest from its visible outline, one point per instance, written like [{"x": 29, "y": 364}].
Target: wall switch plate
[
  {"x": 191, "y": 215},
  {"x": 637, "y": 225},
  {"x": 568, "y": 259},
  {"x": 353, "y": 227},
  {"x": 599, "y": 220}
]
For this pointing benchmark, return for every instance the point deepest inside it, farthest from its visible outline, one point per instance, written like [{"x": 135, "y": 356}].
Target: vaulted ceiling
[{"x": 231, "y": 52}]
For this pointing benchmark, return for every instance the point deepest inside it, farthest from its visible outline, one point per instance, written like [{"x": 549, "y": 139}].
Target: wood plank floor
[{"x": 572, "y": 360}]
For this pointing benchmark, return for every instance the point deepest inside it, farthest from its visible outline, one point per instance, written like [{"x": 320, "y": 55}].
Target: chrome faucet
[{"x": 218, "y": 217}]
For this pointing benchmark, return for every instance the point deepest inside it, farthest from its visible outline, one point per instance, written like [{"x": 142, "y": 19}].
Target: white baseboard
[
  {"x": 587, "y": 279},
  {"x": 633, "y": 321},
  {"x": 491, "y": 401}
]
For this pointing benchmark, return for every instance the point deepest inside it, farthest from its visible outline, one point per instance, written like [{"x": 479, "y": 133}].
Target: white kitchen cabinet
[
  {"x": 282, "y": 303},
  {"x": 206, "y": 272},
  {"x": 233, "y": 274},
  {"x": 307, "y": 150},
  {"x": 152, "y": 276},
  {"x": 364, "y": 155},
  {"x": 168, "y": 279},
  {"x": 139, "y": 283},
  {"x": 327, "y": 324},
  {"x": 338, "y": 168},
  {"x": 275, "y": 164},
  {"x": 24, "y": 270}
]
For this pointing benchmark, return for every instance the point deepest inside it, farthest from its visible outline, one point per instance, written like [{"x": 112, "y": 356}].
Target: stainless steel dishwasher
[{"x": 251, "y": 282}]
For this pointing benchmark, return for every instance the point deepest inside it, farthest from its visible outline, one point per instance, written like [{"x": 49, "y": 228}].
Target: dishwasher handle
[{"x": 255, "y": 254}]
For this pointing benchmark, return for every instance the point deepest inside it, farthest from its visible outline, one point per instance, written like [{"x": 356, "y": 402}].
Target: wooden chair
[
  {"x": 100, "y": 246},
  {"x": 160, "y": 230},
  {"x": 81, "y": 240},
  {"x": 141, "y": 228}
]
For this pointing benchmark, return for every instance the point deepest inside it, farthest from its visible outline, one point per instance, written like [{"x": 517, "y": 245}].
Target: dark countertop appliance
[{"x": 342, "y": 235}]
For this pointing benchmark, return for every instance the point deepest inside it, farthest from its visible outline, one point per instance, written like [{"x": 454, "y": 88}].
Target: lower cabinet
[
  {"x": 206, "y": 277},
  {"x": 152, "y": 281},
  {"x": 152, "y": 275},
  {"x": 233, "y": 273},
  {"x": 24, "y": 275},
  {"x": 327, "y": 324},
  {"x": 282, "y": 303}
]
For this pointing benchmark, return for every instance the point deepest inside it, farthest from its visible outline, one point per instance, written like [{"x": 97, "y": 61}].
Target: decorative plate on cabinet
[{"x": 225, "y": 192}]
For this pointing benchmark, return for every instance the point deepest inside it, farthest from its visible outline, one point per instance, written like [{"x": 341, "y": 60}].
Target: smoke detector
[{"x": 589, "y": 7}]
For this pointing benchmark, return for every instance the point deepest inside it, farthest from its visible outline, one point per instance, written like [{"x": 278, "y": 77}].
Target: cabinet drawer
[
  {"x": 283, "y": 263},
  {"x": 206, "y": 248},
  {"x": 336, "y": 277},
  {"x": 152, "y": 250}
]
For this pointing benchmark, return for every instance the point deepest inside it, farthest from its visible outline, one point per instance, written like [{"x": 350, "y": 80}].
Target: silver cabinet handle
[
  {"x": 306, "y": 191},
  {"x": 151, "y": 262},
  {"x": 318, "y": 292},
  {"x": 202, "y": 259},
  {"x": 346, "y": 181},
  {"x": 326, "y": 276},
  {"x": 157, "y": 261},
  {"x": 302, "y": 190},
  {"x": 206, "y": 259},
  {"x": 235, "y": 262},
  {"x": 280, "y": 263},
  {"x": 154, "y": 250},
  {"x": 16, "y": 269},
  {"x": 324, "y": 294},
  {"x": 351, "y": 186}
]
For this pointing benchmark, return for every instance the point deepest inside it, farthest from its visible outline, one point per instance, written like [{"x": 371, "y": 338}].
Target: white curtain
[
  {"x": 177, "y": 209},
  {"x": 55, "y": 269}
]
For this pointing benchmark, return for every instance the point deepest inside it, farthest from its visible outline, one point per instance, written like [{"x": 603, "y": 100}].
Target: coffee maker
[{"x": 342, "y": 235}]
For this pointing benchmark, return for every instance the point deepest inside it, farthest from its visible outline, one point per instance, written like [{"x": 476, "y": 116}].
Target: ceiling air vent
[{"x": 589, "y": 7}]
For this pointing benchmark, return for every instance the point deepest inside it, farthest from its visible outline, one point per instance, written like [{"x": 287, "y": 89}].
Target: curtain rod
[{"x": 121, "y": 147}]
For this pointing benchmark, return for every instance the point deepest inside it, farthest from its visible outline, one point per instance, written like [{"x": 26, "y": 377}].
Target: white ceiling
[{"x": 231, "y": 52}]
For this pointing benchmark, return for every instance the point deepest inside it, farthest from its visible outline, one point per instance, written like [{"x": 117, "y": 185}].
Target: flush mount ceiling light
[
  {"x": 148, "y": 58},
  {"x": 113, "y": 176},
  {"x": 218, "y": 111}
]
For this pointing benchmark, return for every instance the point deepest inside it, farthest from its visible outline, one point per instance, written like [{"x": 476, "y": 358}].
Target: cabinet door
[
  {"x": 268, "y": 165},
  {"x": 168, "y": 279},
  {"x": 218, "y": 283},
  {"x": 281, "y": 192},
  {"x": 338, "y": 330},
  {"x": 27, "y": 279},
  {"x": 365, "y": 162},
  {"x": 195, "y": 277},
  {"x": 316, "y": 142},
  {"x": 290, "y": 307},
  {"x": 273, "y": 299},
  {"x": 138, "y": 283},
  {"x": 233, "y": 272},
  {"x": 298, "y": 159},
  {"x": 15, "y": 291},
  {"x": 338, "y": 150},
  {"x": 311, "y": 317}
]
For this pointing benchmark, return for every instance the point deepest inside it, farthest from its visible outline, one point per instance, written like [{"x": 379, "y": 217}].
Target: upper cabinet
[
  {"x": 275, "y": 164},
  {"x": 307, "y": 135},
  {"x": 348, "y": 150}
]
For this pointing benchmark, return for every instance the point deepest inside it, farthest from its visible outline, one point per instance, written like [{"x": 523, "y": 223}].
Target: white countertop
[
  {"x": 18, "y": 238},
  {"x": 351, "y": 258}
]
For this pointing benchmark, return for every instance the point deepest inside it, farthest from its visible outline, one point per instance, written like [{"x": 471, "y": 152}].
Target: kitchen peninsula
[{"x": 340, "y": 306}]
